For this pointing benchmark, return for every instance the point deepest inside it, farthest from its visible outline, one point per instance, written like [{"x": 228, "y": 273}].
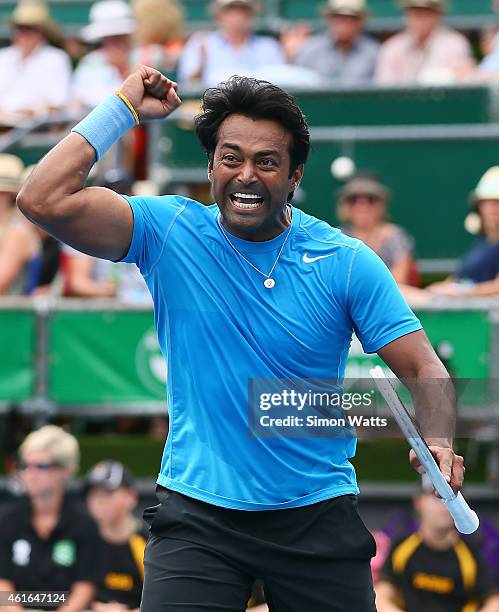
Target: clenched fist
[{"x": 152, "y": 95}]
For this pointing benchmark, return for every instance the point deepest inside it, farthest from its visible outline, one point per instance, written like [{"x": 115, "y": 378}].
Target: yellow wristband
[{"x": 122, "y": 96}]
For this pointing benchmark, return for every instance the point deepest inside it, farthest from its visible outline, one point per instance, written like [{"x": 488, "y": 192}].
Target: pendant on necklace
[{"x": 269, "y": 283}]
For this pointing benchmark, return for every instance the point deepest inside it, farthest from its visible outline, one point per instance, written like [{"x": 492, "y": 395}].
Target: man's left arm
[
  {"x": 415, "y": 363},
  {"x": 385, "y": 324}
]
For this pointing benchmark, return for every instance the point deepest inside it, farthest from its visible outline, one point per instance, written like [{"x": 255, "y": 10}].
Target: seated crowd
[
  {"x": 76, "y": 72},
  {"x": 49, "y": 541},
  {"x": 89, "y": 543},
  {"x": 120, "y": 35}
]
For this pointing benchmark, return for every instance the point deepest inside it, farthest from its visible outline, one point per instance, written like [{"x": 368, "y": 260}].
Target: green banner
[
  {"x": 17, "y": 355},
  {"x": 462, "y": 338},
  {"x": 109, "y": 357},
  {"x": 104, "y": 357}
]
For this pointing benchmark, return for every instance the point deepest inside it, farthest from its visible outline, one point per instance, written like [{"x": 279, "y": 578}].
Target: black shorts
[{"x": 201, "y": 557}]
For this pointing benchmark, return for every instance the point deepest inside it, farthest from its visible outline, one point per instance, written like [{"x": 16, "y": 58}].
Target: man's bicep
[
  {"x": 95, "y": 221},
  {"x": 406, "y": 355}
]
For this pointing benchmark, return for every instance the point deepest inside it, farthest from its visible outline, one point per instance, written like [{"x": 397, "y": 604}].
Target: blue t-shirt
[
  {"x": 480, "y": 263},
  {"x": 219, "y": 328}
]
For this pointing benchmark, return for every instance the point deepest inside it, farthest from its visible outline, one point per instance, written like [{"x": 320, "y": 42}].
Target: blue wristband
[{"x": 106, "y": 124}]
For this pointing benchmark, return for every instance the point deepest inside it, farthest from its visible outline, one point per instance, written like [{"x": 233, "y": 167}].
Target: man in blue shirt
[
  {"x": 250, "y": 294},
  {"x": 210, "y": 57},
  {"x": 343, "y": 55}
]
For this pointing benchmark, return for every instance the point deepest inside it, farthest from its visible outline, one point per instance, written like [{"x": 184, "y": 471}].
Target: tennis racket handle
[{"x": 465, "y": 519}]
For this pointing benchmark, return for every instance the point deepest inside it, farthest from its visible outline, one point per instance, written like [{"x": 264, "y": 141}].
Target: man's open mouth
[{"x": 246, "y": 201}]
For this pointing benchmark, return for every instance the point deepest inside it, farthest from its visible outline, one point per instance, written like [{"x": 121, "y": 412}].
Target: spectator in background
[
  {"x": 102, "y": 71},
  {"x": 488, "y": 69},
  {"x": 20, "y": 240},
  {"x": 434, "y": 568},
  {"x": 426, "y": 52},
  {"x": 478, "y": 269},
  {"x": 343, "y": 54},
  {"x": 383, "y": 544},
  {"x": 90, "y": 277},
  {"x": 111, "y": 500},
  {"x": 34, "y": 76},
  {"x": 233, "y": 49},
  {"x": 11, "y": 170},
  {"x": 47, "y": 541},
  {"x": 21, "y": 255},
  {"x": 75, "y": 47},
  {"x": 160, "y": 34},
  {"x": 362, "y": 207}
]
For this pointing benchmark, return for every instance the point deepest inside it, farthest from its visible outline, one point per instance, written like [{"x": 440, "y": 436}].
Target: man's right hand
[
  {"x": 95, "y": 221},
  {"x": 152, "y": 95}
]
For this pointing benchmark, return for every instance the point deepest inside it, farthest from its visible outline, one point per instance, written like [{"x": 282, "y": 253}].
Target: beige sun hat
[
  {"x": 217, "y": 5},
  {"x": 159, "y": 21},
  {"x": 438, "y": 5},
  {"x": 35, "y": 14},
  {"x": 108, "y": 18},
  {"x": 11, "y": 171},
  {"x": 350, "y": 8}
]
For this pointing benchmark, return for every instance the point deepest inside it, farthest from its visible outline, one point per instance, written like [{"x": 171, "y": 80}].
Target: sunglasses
[
  {"x": 370, "y": 199},
  {"x": 26, "y": 28},
  {"x": 23, "y": 465}
]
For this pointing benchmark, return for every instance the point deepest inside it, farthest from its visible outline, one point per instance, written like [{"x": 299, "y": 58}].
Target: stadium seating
[{"x": 385, "y": 14}]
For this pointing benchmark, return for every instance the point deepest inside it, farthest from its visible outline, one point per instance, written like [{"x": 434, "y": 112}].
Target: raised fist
[{"x": 152, "y": 95}]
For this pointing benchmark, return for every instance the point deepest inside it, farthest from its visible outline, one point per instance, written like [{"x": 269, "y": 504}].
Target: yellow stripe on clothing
[
  {"x": 471, "y": 606},
  {"x": 404, "y": 551},
  {"x": 467, "y": 564},
  {"x": 138, "y": 545}
]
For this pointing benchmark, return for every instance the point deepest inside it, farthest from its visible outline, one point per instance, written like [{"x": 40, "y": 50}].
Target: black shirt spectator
[
  {"x": 111, "y": 500},
  {"x": 430, "y": 580},
  {"x": 69, "y": 554},
  {"x": 124, "y": 570}
]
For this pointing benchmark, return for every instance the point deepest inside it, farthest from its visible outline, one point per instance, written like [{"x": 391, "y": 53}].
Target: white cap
[
  {"x": 351, "y": 8},
  {"x": 109, "y": 18},
  {"x": 488, "y": 186}
]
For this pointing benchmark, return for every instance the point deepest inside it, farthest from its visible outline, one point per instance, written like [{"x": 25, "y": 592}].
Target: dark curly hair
[{"x": 258, "y": 100}]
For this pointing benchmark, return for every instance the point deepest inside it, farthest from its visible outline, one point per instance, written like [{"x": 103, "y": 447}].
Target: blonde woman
[
  {"x": 47, "y": 541},
  {"x": 160, "y": 34}
]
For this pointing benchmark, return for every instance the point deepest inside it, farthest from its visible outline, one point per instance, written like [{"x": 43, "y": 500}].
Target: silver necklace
[{"x": 269, "y": 282}]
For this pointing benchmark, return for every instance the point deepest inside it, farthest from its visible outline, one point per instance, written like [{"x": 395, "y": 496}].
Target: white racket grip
[{"x": 465, "y": 519}]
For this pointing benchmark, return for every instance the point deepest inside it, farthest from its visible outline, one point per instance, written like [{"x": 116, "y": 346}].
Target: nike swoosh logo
[{"x": 308, "y": 259}]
